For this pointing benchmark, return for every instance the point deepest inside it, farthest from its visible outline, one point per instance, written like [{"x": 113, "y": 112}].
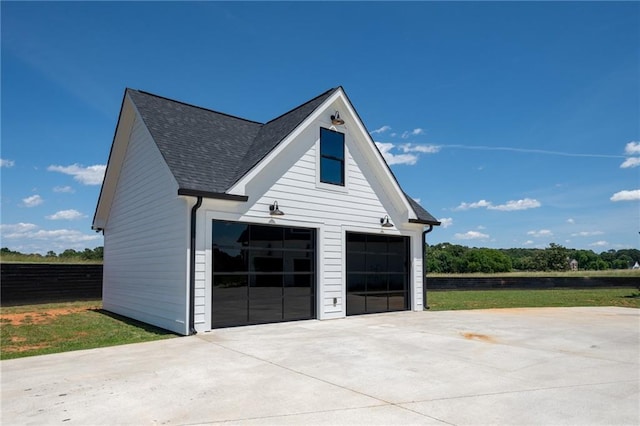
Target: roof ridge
[
  {"x": 242, "y": 168},
  {"x": 301, "y": 105},
  {"x": 195, "y": 106}
]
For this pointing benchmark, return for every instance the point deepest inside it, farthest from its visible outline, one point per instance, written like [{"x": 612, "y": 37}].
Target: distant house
[
  {"x": 636, "y": 266},
  {"x": 211, "y": 220},
  {"x": 573, "y": 265}
]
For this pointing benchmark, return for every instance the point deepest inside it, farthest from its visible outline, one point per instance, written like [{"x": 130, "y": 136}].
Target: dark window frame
[{"x": 332, "y": 159}]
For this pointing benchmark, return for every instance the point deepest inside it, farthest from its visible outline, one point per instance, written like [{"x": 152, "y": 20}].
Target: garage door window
[
  {"x": 377, "y": 273},
  {"x": 262, "y": 274}
]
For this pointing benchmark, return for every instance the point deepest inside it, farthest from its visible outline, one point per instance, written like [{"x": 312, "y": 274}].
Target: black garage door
[
  {"x": 377, "y": 273},
  {"x": 262, "y": 274}
]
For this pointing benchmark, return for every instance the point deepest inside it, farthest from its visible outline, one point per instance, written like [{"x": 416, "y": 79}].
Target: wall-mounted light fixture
[
  {"x": 384, "y": 221},
  {"x": 274, "y": 210},
  {"x": 335, "y": 119}
]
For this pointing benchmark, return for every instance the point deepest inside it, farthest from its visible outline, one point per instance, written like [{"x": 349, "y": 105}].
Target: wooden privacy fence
[{"x": 25, "y": 283}]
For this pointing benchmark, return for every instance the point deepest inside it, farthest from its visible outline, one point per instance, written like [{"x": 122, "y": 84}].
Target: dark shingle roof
[
  {"x": 208, "y": 151},
  {"x": 423, "y": 216},
  {"x": 273, "y": 132},
  {"x": 201, "y": 147}
]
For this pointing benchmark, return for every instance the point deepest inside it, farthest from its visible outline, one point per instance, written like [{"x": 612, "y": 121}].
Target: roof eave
[
  {"x": 425, "y": 222},
  {"x": 212, "y": 195}
]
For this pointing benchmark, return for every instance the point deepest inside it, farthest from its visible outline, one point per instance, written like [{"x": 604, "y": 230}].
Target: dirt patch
[
  {"x": 40, "y": 317},
  {"x": 24, "y": 348},
  {"x": 480, "y": 337}
]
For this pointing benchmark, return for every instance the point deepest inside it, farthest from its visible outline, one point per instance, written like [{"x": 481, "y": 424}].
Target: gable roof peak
[{"x": 322, "y": 95}]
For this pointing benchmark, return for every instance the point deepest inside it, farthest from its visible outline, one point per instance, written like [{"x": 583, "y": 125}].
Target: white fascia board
[
  {"x": 239, "y": 187},
  {"x": 118, "y": 151}
]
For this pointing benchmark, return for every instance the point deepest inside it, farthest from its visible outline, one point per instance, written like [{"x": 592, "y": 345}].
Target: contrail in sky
[{"x": 529, "y": 151}]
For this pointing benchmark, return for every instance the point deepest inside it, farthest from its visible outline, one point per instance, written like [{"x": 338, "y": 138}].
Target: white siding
[
  {"x": 292, "y": 180},
  {"x": 146, "y": 240}
]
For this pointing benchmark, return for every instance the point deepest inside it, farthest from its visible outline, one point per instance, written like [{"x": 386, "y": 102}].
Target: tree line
[
  {"x": 95, "y": 254},
  {"x": 443, "y": 258},
  {"x": 452, "y": 258}
]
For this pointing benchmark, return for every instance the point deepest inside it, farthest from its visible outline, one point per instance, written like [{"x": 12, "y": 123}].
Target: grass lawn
[
  {"x": 60, "y": 327},
  {"x": 488, "y": 299}
]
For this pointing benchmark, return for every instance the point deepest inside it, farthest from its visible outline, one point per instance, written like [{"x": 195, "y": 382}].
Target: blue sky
[{"x": 516, "y": 124}]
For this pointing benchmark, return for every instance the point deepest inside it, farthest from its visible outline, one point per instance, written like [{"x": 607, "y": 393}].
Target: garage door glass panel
[
  {"x": 376, "y": 283},
  {"x": 396, "y": 282},
  {"x": 377, "y": 273},
  {"x": 230, "y": 234},
  {"x": 265, "y": 286},
  {"x": 397, "y": 301},
  {"x": 300, "y": 307},
  {"x": 376, "y": 303},
  {"x": 265, "y": 310},
  {"x": 261, "y": 272},
  {"x": 229, "y": 259},
  {"x": 231, "y": 300},
  {"x": 298, "y": 285},
  {"x": 266, "y": 261},
  {"x": 356, "y": 282}
]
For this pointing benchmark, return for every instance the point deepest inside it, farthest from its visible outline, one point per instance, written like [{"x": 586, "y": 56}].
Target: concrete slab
[{"x": 510, "y": 366}]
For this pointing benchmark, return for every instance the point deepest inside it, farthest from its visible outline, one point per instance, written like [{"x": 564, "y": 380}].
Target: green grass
[
  {"x": 543, "y": 274},
  {"x": 481, "y": 299},
  {"x": 50, "y": 328}
]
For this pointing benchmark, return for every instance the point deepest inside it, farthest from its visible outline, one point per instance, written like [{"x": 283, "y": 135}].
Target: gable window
[{"x": 331, "y": 157}]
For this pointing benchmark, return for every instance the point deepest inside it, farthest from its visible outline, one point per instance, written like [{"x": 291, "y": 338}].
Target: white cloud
[
  {"x": 599, "y": 244},
  {"x": 30, "y": 237},
  {"x": 382, "y": 129},
  {"x": 6, "y": 163},
  {"x": 540, "y": 233},
  {"x": 415, "y": 132},
  {"x": 90, "y": 175},
  {"x": 528, "y": 242},
  {"x": 571, "y": 221},
  {"x": 630, "y": 162},
  {"x": 34, "y": 200},
  {"x": 626, "y": 195},
  {"x": 476, "y": 205},
  {"x": 391, "y": 158},
  {"x": 511, "y": 205},
  {"x": 471, "y": 235},
  {"x": 587, "y": 233},
  {"x": 66, "y": 189},
  {"x": 66, "y": 215},
  {"x": 17, "y": 228},
  {"x": 446, "y": 222},
  {"x": 632, "y": 148},
  {"x": 424, "y": 149}
]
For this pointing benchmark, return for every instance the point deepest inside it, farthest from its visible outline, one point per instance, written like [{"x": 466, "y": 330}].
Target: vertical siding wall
[
  {"x": 146, "y": 240},
  {"x": 292, "y": 181}
]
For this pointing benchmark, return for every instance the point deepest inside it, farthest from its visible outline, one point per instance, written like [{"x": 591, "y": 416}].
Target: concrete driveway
[{"x": 574, "y": 366}]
